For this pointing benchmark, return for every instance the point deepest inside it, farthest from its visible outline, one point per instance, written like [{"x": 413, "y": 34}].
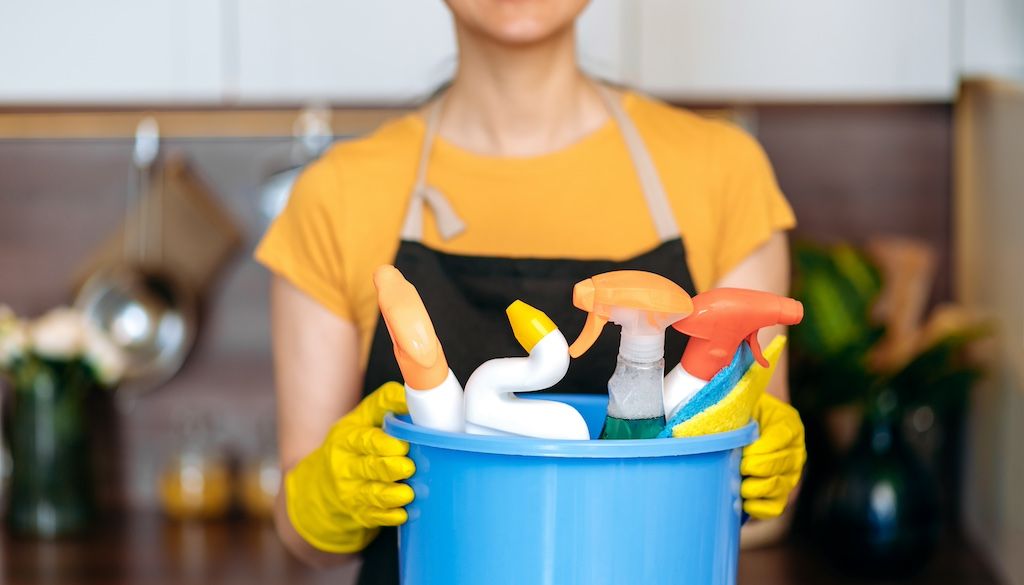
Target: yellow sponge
[{"x": 735, "y": 410}]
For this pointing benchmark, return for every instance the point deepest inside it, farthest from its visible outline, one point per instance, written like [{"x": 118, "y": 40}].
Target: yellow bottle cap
[{"x": 529, "y": 324}]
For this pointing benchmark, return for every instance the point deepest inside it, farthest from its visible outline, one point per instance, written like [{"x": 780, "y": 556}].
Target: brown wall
[
  {"x": 856, "y": 171},
  {"x": 850, "y": 172}
]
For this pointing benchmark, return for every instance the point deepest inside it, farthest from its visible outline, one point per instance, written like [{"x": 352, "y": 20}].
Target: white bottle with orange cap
[
  {"x": 432, "y": 393},
  {"x": 492, "y": 408},
  {"x": 644, "y": 304}
]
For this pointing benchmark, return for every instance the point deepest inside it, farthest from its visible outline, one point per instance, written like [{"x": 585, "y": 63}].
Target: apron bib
[{"x": 466, "y": 297}]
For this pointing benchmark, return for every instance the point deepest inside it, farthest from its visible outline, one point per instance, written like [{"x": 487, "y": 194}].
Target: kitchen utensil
[
  {"x": 150, "y": 316},
  {"x": 149, "y": 313},
  {"x": 197, "y": 236},
  {"x": 311, "y": 135}
]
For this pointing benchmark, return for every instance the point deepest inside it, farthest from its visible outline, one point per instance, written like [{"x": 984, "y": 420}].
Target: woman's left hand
[{"x": 772, "y": 464}]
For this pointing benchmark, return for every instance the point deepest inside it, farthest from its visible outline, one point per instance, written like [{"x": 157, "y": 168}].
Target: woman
[{"x": 533, "y": 177}]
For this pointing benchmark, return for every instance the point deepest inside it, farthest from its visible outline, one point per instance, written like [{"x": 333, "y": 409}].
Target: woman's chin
[
  {"x": 517, "y": 22},
  {"x": 522, "y": 32}
]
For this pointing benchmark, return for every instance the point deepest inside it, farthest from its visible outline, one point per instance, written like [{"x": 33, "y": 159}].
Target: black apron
[{"x": 466, "y": 297}]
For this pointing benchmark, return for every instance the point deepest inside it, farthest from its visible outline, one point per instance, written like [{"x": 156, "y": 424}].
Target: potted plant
[
  {"x": 866, "y": 362},
  {"x": 51, "y": 364}
]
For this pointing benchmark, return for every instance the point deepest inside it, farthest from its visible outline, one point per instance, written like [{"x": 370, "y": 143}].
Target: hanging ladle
[{"x": 147, "y": 312}]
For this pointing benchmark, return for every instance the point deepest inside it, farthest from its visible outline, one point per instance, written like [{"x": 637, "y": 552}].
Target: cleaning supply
[
  {"x": 491, "y": 406},
  {"x": 727, "y": 401},
  {"x": 432, "y": 392},
  {"x": 339, "y": 495},
  {"x": 772, "y": 464},
  {"x": 644, "y": 304},
  {"x": 722, "y": 318},
  {"x": 524, "y": 511}
]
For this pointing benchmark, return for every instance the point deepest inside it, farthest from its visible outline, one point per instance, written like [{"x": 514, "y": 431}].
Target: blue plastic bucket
[{"x": 535, "y": 511}]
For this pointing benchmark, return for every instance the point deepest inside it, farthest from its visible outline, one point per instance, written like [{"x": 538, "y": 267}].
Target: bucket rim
[{"x": 401, "y": 428}]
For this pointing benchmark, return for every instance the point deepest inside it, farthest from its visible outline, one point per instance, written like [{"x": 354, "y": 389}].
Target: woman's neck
[{"x": 519, "y": 100}]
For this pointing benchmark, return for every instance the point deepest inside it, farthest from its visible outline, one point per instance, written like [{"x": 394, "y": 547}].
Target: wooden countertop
[{"x": 144, "y": 548}]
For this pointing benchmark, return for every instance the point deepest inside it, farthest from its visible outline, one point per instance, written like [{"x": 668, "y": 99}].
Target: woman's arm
[
  {"x": 317, "y": 375},
  {"x": 767, "y": 269}
]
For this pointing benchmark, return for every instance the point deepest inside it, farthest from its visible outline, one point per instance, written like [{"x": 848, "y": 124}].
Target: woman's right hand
[{"x": 340, "y": 495}]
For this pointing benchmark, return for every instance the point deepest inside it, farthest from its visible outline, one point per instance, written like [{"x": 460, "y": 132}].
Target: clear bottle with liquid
[
  {"x": 635, "y": 405},
  {"x": 643, "y": 304}
]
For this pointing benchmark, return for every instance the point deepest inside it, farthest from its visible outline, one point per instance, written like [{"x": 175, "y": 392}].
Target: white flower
[
  {"x": 13, "y": 341},
  {"x": 103, "y": 355},
  {"x": 6, "y": 316},
  {"x": 59, "y": 334}
]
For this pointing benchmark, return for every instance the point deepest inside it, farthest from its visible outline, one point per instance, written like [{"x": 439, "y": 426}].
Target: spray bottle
[
  {"x": 432, "y": 393},
  {"x": 644, "y": 304},
  {"x": 723, "y": 318},
  {"x": 492, "y": 408}
]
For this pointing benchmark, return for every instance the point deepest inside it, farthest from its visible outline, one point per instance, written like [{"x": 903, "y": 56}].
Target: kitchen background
[{"x": 881, "y": 119}]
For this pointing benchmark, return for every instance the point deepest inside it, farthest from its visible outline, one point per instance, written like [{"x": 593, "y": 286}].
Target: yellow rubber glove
[
  {"x": 340, "y": 495},
  {"x": 772, "y": 464}
]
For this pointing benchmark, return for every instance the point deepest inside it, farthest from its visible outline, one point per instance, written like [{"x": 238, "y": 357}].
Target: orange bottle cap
[{"x": 417, "y": 348}]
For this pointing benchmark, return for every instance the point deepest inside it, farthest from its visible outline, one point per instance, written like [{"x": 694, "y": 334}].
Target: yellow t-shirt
[{"x": 345, "y": 212}]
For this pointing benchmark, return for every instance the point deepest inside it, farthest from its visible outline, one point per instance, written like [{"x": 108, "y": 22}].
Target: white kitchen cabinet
[
  {"x": 793, "y": 49},
  {"x": 349, "y": 52},
  {"x": 341, "y": 51},
  {"x": 110, "y": 51},
  {"x": 601, "y": 36},
  {"x": 358, "y": 52},
  {"x": 993, "y": 38}
]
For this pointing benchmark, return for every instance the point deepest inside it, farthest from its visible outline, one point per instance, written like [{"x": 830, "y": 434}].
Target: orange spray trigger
[
  {"x": 642, "y": 302},
  {"x": 723, "y": 318},
  {"x": 591, "y": 331}
]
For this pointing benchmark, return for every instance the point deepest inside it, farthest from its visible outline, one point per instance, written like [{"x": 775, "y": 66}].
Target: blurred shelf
[
  {"x": 185, "y": 123},
  {"x": 55, "y": 123}
]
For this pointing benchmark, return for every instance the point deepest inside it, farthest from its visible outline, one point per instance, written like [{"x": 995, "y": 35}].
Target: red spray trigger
[
  {"x": 755, "y": 348},
  {"x": 723, "y": 318}
]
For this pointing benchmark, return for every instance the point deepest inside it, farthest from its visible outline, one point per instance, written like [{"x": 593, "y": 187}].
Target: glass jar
[
  {"x": 195, "y": 482},
  {"x": 261, "y": 473}
]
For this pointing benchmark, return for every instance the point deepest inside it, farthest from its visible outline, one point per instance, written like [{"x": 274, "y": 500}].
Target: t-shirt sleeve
[
  {"x": 752, "y": 207},
  {"x": 303, "y": 244}
]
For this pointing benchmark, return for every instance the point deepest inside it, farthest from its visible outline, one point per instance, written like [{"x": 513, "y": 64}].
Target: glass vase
[
  {"x": 51, "y": 491},
  {"x": 879, "y": 514}
]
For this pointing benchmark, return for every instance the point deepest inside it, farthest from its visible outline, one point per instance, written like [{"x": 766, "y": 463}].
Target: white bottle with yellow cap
[{"x": 492, "y": 408}]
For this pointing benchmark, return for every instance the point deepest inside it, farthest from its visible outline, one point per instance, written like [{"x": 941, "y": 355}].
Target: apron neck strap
[
  {"x": 449, "y": 224},
  {"x": 650, "y": 182}
]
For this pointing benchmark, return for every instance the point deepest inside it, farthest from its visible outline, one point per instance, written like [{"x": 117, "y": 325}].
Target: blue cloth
[{"x": 714, "y": 391}]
